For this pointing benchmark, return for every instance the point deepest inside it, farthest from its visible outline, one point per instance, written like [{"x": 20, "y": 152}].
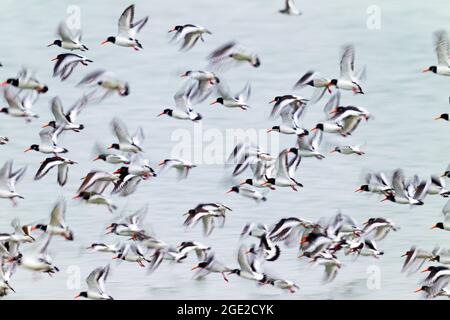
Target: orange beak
[
  {"x": 313, "y": 129},
  {"x": 46, "y": 125},
  {"x": 418, "y": 290},
  {"x": 231, "y": 190},
  {"x": 171, "y": 30},
  {"x": 214, "y": 102},
  {"x": 160, "y": 114},
  {"x": 76, "y": 196},
  {"x": 333, "y": 151},
  {"x": 96, "y": 158},
  {"x": 334, "y": 110},
  {"x": 3, "y": 84},
  {"x": 425, "y": 270},
  {"x": 358, "y": 190},
  {"x": 195, "y": 267},
  {"x": 55, "y": 58},
  {"x": 26, "y": 150},
  {"x": 433, "y": 227},
  {"x": 269, "y": 130},
  {"x": 161, "y": 163},
  {"x": 437, "y": 118},
  {"x": 110, "y": 147},
  {"x": 77, "y": 296},
  {"x": 104, "y": 41},
  {"x": 384, "y": 199},
  {"x": 272, "y": 101},
  {"x": 426, "y": 70}
]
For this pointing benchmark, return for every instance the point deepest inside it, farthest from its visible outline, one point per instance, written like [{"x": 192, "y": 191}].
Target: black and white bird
[
  {"x": 250, "y": 266},
  {"x": 57, "y": 225},
  {"x": 108, "y": 156},
  {"x": 249, "y": 192},
  {"x": 129, "y": 225},
  {"x": 205, "y": 83},
  {"x": 104, "y": 247},
  {"x": 415, "y": 258},
  {"x": 131, "y": 252},
  {"x": 104, "y": 84},
  {"x": 314, "y": 79},
  {"x": 285, "y": 168},
  {"x": 66, "y": 63},
  {"x": 290, "y": 108},
  {"x": 19, "y": 105},
  {"x": 26, "y": 80},
  {"x": 355, "y": 149},
  {"x": 183, "y": 105},
  {"x": 438, "y": 186},
  {"x": 70, "y": 37},
  {"x": 442, "y": 51},
  {"x": 188, "y": 34},
  {"x": 330, "y": 263},
  {"x": 49, "y": 142},
  {"x": 94, "y": 197},
  {"x": 127, "y": 30},
  {"x": 97, "y": 178},
  {"x": 231, "y": 54},
  {"x": 67, "y": 119},
  {"x": 348, "y": 78},
  {"x": 212, "y": 265},
  {"x": 207, "y": 213},
  {"x": 37, "y": 260},
  {"x": 290, "y": 8},
  {"x": 309, "y": 144},
  {"x": 226, "y": 98},
  {"x": 96, "y": 285},
  {"x": 376, "y": 183},
  {"x": 49, "y": 163},
  {"x": 437, "y": 279},
  {"x": 21, "y": 234},
  {"x": 127, "y": 142},
  {"x": 377, "y": 228},
  {"x": 406, "y": 193},
  {"x": 181, "y": 166},
  {"x": 8, "y": 181}
]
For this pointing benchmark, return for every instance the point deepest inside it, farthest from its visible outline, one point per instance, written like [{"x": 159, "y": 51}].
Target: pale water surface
[{"x": 402, "y": 134}]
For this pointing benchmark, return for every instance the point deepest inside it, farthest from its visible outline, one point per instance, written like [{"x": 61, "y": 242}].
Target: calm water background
[{"x": 403, "y": 134}]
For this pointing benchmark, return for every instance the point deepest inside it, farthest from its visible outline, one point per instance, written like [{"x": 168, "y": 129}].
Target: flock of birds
[{"x": 320, "y": 242}]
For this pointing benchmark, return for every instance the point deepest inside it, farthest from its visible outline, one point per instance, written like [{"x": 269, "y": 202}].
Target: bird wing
[
  {"x": 46, "y": 165},
  {"x": 76, "y": 108},
  {"x": 441, "y": 47},
  {"x": 58, "y": 111},
  {"x": 244, "y": 94},
  {"x": 347, "y": 62},
  {"x": 243, "y": 259},
  {"x": 126, "y": 21},
  {"x": 65, "y": 33},
  {"x": 121, "y": 131},
  {"x": 63, "y": 171},
  {"x": 57, "y": 216}
]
